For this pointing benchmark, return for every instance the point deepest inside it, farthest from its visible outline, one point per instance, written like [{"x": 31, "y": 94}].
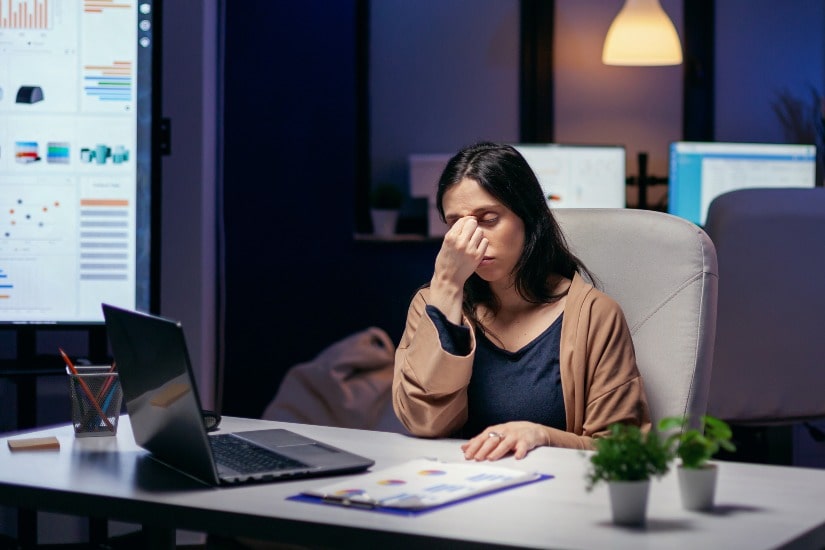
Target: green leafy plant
[
  {"x": 386, "y": 196},
  {"x": 696, "y": 446},
  {"x": 628, "y": 454}
]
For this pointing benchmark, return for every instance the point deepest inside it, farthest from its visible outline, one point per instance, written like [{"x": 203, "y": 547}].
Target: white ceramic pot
[
  {"x": 628, "y": 501},
  {"x": 384, "y": 222},
  {"x": 697, "y": 486}
]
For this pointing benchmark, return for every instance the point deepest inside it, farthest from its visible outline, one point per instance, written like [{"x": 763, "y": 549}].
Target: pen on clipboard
[
  {"x": 86, "y": 389},
  {"x": 366, "y": 504}
]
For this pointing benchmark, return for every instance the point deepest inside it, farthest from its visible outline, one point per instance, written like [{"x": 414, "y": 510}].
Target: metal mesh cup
[{"x": 96, "y": 398}]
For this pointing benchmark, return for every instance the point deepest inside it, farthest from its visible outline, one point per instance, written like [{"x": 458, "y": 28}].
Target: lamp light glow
[{"x": 642, "y": 34}]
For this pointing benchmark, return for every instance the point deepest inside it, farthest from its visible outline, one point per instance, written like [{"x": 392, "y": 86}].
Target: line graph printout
[{"x": 75, "y": 158}]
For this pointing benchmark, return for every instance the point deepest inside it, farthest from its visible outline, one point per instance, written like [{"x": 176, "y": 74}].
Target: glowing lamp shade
[{"x": 642, "y": 34}]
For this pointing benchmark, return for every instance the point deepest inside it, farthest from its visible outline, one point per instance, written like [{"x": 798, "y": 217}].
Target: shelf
[{"x": 397, "y": 238}]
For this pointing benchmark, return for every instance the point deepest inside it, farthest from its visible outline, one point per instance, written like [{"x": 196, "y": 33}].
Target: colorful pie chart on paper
[
  {"x": 432, "y": 473},
  {"x": 349, "y": 492},
  {"x": 392, "y": 482}
]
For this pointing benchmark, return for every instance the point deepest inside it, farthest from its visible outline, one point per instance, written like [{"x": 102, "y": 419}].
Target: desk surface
[{"x": 757, "y": 506}]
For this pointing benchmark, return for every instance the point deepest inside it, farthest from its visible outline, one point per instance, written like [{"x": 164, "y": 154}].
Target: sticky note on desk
[{"x": 35, "y": 444}]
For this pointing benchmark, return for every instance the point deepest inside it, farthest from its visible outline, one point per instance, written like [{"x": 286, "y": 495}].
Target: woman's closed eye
[{"x": 488, "y": 220}]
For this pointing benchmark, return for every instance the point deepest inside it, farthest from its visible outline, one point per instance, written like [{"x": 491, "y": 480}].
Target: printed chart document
[{"x": 422, "y": 484}]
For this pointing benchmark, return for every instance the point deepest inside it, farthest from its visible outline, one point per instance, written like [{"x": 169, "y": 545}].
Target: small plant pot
[
  {"x": 384, "y": 222},
  {"x": 628, "y": 501},
  {"x": 697, "y": 486}
]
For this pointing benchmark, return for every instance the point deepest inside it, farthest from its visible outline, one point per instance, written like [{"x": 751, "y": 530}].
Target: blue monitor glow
[
  {"x": 78, "y": 88},
  {"x": 700, "y": 171}
]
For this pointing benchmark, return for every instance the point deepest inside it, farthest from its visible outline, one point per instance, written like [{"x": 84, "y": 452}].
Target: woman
[{"x": 508, "y": 345}]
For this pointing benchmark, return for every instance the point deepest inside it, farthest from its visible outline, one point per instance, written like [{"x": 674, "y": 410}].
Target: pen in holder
[{"x": 96, "y": 397}]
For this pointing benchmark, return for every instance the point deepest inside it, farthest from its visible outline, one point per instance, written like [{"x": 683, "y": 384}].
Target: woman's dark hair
[{"x": 501, "y": 171}]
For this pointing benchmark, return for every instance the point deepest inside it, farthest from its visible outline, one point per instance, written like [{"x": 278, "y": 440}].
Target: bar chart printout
[
  {"x": 109, "y": 82},
  {"x": 25, "y": 14}
]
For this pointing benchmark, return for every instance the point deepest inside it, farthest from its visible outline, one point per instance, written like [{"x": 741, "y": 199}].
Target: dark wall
[{"x": 296, "y": 280}]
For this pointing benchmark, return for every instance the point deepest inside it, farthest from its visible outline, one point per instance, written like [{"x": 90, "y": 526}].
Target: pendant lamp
[{"x": 642, "y": 34}]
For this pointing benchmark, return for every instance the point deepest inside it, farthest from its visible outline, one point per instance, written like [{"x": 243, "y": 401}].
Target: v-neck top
[{"x": 508, "y": 386}]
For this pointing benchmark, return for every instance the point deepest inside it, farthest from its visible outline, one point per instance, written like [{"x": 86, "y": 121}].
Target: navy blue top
[{"x": 507, "y": 386}]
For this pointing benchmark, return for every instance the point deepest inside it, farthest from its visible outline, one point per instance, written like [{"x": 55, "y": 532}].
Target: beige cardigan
[{"x": 599, "y": 377}]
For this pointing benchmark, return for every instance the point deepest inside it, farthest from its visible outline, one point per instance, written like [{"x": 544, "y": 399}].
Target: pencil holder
[{"x": 96, "y": 398}]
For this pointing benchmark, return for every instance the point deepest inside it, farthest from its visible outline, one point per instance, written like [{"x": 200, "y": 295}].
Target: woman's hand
[
  {"x": 461, "y": 252},
  {"x": 501, "y": 439}
]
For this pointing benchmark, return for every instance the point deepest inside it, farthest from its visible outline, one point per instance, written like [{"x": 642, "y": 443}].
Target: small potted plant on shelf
[
  {"x": 626, "y": 460},
  {"x": 695, "y": 447},
  {"x": 385, "y": 203}
]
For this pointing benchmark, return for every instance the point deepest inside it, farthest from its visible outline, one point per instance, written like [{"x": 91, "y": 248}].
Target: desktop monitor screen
[
  {"x": 77, "y": 83},
  {"x": 571, "y": 176},
  {"x": 579, "y": 176},
  {"x": 699, "y": 172}
]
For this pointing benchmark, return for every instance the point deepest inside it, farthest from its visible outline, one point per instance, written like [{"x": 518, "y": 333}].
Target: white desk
[{"x": 757, "y": 506}]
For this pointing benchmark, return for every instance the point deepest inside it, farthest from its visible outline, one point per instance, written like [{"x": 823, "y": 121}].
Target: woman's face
[{"x": 502, "y": 228}]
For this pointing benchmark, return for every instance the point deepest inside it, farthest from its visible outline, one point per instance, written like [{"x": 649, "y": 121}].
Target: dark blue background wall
[{"x": 296, "y": 279}]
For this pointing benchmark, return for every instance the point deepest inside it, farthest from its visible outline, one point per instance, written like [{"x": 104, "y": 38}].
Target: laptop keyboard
[{"x": 247, "y": 458}]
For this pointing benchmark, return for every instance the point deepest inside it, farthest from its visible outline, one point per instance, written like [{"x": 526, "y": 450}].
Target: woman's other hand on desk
[{"x": 498, "y": 441}]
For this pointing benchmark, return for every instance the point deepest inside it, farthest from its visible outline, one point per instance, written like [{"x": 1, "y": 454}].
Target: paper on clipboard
[{"x": 421, "y": 483}]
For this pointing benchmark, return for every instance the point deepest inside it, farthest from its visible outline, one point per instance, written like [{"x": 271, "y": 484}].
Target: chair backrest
[
  {"x": 770, "y": 353},
  {"x": 662, "y": 271}
]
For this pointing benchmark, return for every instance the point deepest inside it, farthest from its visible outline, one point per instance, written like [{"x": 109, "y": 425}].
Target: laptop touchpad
[
  {"x": 302, "y": 448},
  {"x": 275, "y": 438}
]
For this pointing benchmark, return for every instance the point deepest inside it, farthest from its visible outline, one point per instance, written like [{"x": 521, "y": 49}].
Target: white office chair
[
  {"x": 770, "y": 353},
  {"x": 662, "y": 271}
]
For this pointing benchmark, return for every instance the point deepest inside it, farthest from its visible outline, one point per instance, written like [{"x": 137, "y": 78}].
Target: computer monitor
[
  {"x": 579, "y": 176},
  {"x": 79, "y": 159},
  {"x": 700, "y": 171},
  {"x": 571, "y": 176}
]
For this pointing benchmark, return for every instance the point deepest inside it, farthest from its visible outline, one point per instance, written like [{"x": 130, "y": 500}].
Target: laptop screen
[
  {"x": 699, "y": 172},
  {"x": 160, "y": 393}
]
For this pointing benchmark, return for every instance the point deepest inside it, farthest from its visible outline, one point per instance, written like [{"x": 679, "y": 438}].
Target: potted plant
[
  {"x": 626, "y": 460},
  {"x": 695, "y": 447},
  {"x": 385, "y": 202}
]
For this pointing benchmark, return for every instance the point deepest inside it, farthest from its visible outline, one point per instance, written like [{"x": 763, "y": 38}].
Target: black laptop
[{"x": 166, "y": 416}]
